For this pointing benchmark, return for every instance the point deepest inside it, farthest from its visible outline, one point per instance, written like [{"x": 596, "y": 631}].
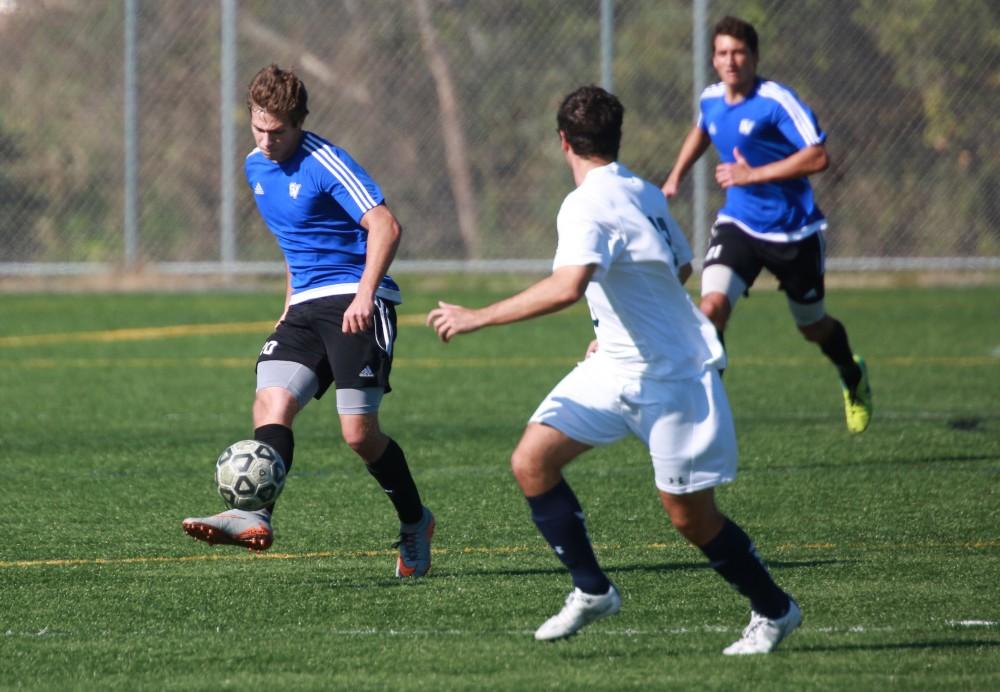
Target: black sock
[
  {"x": 393, "y": 474},
  {"x": 279, "y": 437},
  {"x": 283, "y": 441},
  {"x": 733, "y": 555},
  {"x": 559, "y": 519},
  {"x": 838, "y": 350}
]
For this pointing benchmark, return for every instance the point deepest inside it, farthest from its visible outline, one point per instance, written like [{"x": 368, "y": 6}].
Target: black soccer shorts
[
  {"x": 311, "y": 335},
  {"x": 798, "y": 266}
]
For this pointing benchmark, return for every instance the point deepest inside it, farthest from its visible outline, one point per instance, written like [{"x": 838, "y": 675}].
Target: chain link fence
[{"x": 450, "y": 104}]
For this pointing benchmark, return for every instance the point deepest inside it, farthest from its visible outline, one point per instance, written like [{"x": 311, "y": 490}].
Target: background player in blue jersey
[
  {"x": 768, "y": 142},
  {"x": 339, "y": 323}
]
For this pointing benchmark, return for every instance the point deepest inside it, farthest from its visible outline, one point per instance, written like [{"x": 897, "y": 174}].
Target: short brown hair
[
  {"x": 591, "y": 119},
  {"x": 280, "y": 92},
  {"x": 740, "y": 30}
]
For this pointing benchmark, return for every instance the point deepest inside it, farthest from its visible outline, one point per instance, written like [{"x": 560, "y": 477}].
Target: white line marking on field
[{"x": 972, "y": 623}]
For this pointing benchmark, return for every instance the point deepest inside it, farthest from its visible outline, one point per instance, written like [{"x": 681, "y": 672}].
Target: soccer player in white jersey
[
  {"x": 654, "y": 374},
  {"x": 768, "y": 142},
  {"x": 339, "y": 321}
]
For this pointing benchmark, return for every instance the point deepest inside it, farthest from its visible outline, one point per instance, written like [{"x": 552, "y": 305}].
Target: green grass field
[{"x": 115, "y": 407}]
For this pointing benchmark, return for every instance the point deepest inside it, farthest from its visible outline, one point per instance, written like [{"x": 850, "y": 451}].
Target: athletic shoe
[
  {"x": 415, "y": 547},
  {"x": 580, "y": 610},
  {"x": 858, "y": 404},
  {"x": 762, "y": 636},
  {"x": 233, "y": 527}
]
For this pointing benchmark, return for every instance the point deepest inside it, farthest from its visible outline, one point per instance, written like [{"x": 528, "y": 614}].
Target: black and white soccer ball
[{"x": 249, "y": 475}]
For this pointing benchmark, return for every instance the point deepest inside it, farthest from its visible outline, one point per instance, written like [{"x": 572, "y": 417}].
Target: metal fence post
[
  {"x": 227, "y": 211},
  {"x": 131, "y": 213},
  {"x": 607, "y": 40},
  {"x": 700, "y": 174}
]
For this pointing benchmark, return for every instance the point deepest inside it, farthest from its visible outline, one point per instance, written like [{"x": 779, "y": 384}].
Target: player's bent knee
[
  {"x": 274, "y": 405},
  {"x": 817, "y": 331},
  {"x": 362, "y": 434}
]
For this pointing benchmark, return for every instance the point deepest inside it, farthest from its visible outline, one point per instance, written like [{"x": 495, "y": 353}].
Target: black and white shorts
[
  {"x": 311, "y": 335},
  {"x": 798, "y": 265}
]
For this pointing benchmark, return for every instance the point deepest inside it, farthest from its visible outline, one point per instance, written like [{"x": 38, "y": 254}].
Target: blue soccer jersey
[
  {"x": 313, "y": 203},
  {"x": 770, "y": 124}
]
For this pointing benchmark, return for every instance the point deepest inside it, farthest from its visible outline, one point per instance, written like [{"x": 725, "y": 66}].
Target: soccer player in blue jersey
[
  {"x": 339, "y": 322},
  {"x": 654, "y": 374},
  {"x": 769, "y": 143}
]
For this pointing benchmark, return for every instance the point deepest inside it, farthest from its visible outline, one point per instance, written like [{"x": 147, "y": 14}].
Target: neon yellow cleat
[{"x": 858, "y": 404}]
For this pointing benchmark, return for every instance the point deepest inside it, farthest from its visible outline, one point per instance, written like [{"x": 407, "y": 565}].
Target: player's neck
[
  {"x": 739, "y": 92},
  {"x": 581, "y": 166}
]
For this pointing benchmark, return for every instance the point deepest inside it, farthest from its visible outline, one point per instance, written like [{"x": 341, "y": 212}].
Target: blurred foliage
[{"x": 906, "y": 90}]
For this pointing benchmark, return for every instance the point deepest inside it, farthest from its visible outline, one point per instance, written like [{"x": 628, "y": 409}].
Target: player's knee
[
  {"x": 817, "y": 332},
  {"x": 274, "y": 405},
  {"x": 524, "y": 466},
  {"x": 363, "y": 437},
  {"x": 715, "y": 307}
]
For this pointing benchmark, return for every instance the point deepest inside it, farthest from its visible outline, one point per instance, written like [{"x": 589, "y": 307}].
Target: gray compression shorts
[
  {"x": 718, "y": 278},
  {"x": 303, "y": 383}
]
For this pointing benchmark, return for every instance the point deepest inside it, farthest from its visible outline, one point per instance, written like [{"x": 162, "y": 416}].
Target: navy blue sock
[
  {"x": 733, "y": 555},
  {"x": 393, "y": 474},
  {"x": 559, "y": 519}
]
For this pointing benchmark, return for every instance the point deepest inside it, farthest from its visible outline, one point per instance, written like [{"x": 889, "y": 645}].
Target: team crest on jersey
[
  {"x": 259, "y": 190},
  {"x": 293, "y": 190},
  {"x": 746, "y": 126}
]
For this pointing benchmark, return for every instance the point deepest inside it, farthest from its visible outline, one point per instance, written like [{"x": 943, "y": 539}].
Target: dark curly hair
[
  {"x": 591, "y": 119},
  {"x": 738, "y": 29}
]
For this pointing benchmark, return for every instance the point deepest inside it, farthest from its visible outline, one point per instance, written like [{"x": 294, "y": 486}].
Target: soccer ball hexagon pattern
[{"x": 249, "y": 475}]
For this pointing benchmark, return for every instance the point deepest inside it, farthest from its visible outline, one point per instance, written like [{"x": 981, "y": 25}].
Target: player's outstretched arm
[
  {"x": 562, "y": 288},
  {"x": 694, "y": 146}
]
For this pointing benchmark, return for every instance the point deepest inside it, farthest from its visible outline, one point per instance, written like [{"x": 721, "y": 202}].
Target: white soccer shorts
[{"x": 686, "y": 424}]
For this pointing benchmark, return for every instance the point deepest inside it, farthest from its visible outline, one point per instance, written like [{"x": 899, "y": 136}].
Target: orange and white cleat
[
  {"x": 252, "y": 530},
  {"x": 415, "y": 547}
]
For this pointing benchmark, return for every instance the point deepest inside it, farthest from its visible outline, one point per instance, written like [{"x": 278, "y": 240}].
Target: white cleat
[
  {"x": 580, "y": 610},
  {"x": 251, "y": 530},
  {"x": 762, "y": 636}
]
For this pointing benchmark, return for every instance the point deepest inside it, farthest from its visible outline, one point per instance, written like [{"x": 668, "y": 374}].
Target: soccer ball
[{"x": 249, "y": 475}]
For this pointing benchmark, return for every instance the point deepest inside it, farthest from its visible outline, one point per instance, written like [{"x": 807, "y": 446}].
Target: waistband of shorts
[
  {"x": 775, "y": 236},
  {"x": 393, "y": 296}
]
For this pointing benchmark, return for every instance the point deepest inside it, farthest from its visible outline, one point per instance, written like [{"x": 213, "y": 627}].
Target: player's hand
[
  {"x": 669, "y": 188},
  {"x": 451, "y": 320},
  {"x": 591, "y": 349},
  {"x": 734, "y": 174},
  {"x": 358, "y": 315}
]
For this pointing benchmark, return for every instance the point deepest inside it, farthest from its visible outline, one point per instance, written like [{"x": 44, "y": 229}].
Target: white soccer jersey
[{"x": 645, "y": 321}]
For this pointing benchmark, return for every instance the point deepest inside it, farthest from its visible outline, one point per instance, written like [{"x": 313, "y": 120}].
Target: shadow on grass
[
  {"x": 901, "y": 646},
  {"x": 889, "y": 462},
  {"x": 651, "y": 568}
]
